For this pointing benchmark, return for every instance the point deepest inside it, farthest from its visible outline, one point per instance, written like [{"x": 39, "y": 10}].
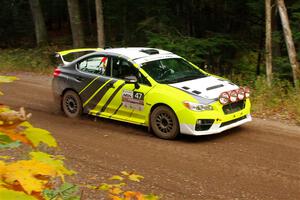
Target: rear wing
[{"x": 64, "y": 57}]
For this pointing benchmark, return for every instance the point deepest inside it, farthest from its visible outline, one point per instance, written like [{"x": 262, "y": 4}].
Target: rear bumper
[{"x": 215, "y": 128}]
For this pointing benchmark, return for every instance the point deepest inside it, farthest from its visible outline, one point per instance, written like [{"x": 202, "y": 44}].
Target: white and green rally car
[{"x": 150, "y": 87}]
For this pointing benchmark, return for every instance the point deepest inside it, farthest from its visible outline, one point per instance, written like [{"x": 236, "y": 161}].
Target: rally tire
[
  {"x": 164, "y": 123},
  {"x": 71, "y": 104}
]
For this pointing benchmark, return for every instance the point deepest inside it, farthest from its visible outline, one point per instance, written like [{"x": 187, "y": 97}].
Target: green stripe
[
  {"x": 96, "y": 93},
  {"x": 89, "y": 84}
]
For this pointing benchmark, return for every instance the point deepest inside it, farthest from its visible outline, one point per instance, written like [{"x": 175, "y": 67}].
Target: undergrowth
[
  {"x": 32, "y": 60},
  {"x": 279, "y": 102}
]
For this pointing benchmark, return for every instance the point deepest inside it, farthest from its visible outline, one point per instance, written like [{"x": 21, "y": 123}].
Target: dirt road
[{"x": 260, "y": 160}]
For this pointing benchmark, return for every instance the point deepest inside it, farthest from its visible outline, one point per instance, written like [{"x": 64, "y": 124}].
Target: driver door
[{"x": 129, "y": 101}]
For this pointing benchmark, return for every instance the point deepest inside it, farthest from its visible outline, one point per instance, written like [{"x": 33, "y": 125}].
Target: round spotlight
[
  {"x": 224, "y": 98},
  {"x": 233, "y": 96},
  {"x": 241, "y": 93},
  {"x": 247, "y": 92}
]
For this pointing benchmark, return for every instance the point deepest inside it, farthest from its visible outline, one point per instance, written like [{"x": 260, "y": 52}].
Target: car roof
[{"x": 134, "y": 53}]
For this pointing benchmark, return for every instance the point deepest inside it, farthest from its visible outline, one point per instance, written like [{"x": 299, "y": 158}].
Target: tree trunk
[
  {"x": 39, "y": 23},
  {"x": 125, "y": 24},
  {"x": 268, "y": 42},
  {"x": 289, "y": 40},
  {"x": 260, "y": 52},
  {"x": 89, "y": 17},
  {"x": 100, "y": 24},
  {"x": 76, "y": 23}
]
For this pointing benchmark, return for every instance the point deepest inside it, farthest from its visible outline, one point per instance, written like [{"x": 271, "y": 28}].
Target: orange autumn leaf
[
  {"x": 13, "y": 133},
  {"x": 130, "y": 195}
]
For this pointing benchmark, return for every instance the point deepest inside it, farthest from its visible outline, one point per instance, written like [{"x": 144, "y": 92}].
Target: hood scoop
[{"x": 215, "y": 87}]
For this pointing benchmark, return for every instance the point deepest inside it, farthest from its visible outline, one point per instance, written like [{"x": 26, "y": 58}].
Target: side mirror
[{"x": 132, "y": 80}]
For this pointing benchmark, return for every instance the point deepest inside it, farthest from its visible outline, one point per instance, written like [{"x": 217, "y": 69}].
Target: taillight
[{"x": 56, "y": 72}]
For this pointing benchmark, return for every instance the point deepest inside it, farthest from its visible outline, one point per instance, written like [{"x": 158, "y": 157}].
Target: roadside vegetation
[{"x": 33, "y": 60}]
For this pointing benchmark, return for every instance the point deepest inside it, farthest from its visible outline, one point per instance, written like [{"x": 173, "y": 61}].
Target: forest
[{"x": 225, "y": 37}]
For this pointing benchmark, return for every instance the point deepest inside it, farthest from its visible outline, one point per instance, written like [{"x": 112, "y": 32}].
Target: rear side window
[{"x": 95, "y": 65}]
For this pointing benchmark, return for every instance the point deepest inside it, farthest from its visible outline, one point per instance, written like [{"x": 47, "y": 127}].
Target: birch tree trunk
[
  {"x": 100, "y": 23},
  {"x": 268, "y": 42},
  {"x": 289, "y": 40},
  {"x": 39, "y": 23},
  {"x": 76, "y": 23}
]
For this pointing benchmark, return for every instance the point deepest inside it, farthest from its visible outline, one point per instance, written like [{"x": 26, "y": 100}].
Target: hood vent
[
  {"x": 186, "y": 88},
  {"x": 214, "y": 87},
  {"x": 196, "y": 92}
]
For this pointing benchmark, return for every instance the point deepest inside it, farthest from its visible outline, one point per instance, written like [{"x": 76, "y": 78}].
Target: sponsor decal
[{"x": 133, "y": 100}]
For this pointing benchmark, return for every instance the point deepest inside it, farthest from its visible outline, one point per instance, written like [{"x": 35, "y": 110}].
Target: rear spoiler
[{"x": 67, "y": 56}]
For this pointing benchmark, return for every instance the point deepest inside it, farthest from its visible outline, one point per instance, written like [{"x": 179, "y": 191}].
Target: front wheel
[
  {"x": 164, "y": 123},
  {"x": 71, "y": 104}
]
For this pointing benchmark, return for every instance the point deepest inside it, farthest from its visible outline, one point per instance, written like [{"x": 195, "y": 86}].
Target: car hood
[{"x": 208, "y": 87}]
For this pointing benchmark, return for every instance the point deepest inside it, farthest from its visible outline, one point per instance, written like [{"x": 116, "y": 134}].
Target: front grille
[
  {"x": 233, "y": 107},
  {"x": 233, "y": 121}
]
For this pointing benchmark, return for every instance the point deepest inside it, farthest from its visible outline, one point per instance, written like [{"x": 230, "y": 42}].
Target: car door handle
[
  {"x": 111, "y": 85},
  {"x": 78, "y": 78}
]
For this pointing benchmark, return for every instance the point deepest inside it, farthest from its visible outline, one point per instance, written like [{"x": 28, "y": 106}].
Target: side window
[
  {"x": 96, "y": 65},
  {"x": 121, "y": 68}
]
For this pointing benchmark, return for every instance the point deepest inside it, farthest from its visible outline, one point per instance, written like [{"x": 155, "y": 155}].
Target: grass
[
  {"x": 280, "y": 102},
  {"x": 33, "y": 60}
]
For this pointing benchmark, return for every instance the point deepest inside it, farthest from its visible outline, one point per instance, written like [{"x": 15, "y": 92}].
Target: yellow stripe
[
  {"x": 89, "y": 84},
  {"x": 96, "y": 93}
]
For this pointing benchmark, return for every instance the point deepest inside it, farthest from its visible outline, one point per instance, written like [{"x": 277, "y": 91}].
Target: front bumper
[
  {"x": 215, "y": 128},
  {"x": 221, "y": 120}
]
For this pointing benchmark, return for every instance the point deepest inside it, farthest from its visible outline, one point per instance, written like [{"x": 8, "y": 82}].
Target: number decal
[{"x": 138, "y": 95}]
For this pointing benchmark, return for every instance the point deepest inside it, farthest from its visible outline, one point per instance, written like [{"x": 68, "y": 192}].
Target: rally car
[{"x": 150, "y": 87}]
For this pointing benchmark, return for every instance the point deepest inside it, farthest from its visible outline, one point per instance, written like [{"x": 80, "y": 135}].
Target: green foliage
[
  {"x": 36, "y": 60},
  {"x": 282, "y": 101},
  {"x": 66, "y": 191},
  {"x": 197, "y": 50},
  {"x": 7, "y": 142}
]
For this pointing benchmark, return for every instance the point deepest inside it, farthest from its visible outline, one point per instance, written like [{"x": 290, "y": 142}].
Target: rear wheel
[
  {"x": 71, "y": 104},
  {"x": 164, "y": 123}
]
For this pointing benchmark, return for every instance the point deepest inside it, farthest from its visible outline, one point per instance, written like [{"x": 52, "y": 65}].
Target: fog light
[{"x": 204, "y": 124}]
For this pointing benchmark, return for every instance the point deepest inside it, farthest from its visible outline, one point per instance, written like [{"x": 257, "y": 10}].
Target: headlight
[{"x": 196, "y": 106}]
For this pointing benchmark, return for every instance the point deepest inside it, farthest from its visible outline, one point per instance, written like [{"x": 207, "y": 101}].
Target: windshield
[{"x": 172, "y": 70}]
